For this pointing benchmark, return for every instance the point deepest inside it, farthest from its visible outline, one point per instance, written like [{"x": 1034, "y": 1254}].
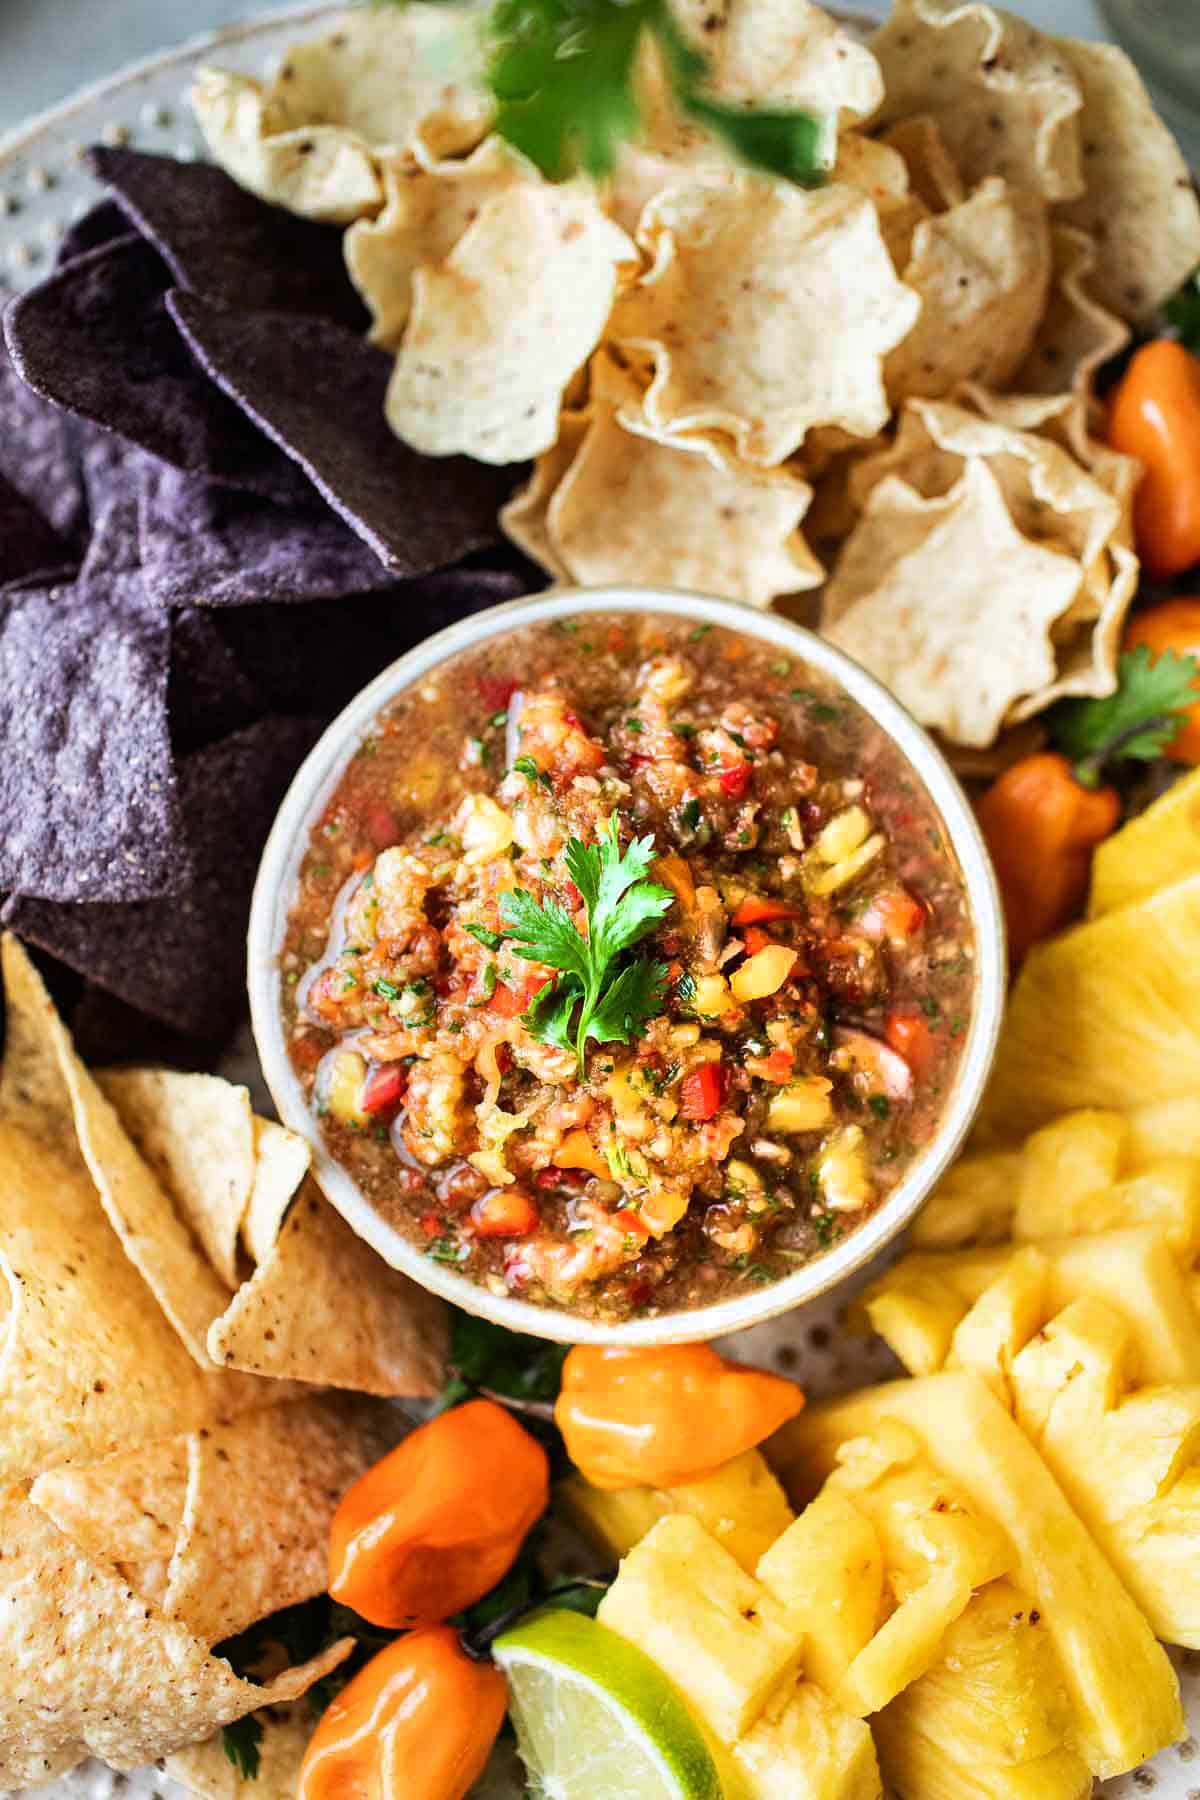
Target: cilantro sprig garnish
[
  {"x": 599, "y": 992},
  {"x": 1183, "y": 312},
  {"x": 1137, "y": 722}
]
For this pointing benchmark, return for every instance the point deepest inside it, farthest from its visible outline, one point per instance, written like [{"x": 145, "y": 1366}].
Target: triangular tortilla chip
[
  {"x": 205, "y": 1769},
  {"x": 281, "y": 1159},
  {"x": 196, "y": 1132},
  {"x": 323, "y": 1307},
  {"x": 92, "y": 1669},
  {"x": 225, "y": 1526}
]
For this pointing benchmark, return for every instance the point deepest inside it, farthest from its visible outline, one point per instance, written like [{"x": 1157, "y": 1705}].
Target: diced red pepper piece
[
  {"x": 780, "y": 1063},
  {"x": 382, "y": 827},
  {"x": 701, "y": 1091},
  {"x": 893, "y": 913},
  {"x": 755, "y": 939},
  {"x": 505, "y": 1212},
  {"x": 506, "y": 1002},
  {"x": 383, "y": 1089},
  {"x": 735, "y": 780},
  {"x": 910, "y": 1037},
  {"x": 495, "y": 691},
  {"x": 431, "y": 1225},
  {"x": 755, "y": 910},
  {"x": 631, "y": 1223}
]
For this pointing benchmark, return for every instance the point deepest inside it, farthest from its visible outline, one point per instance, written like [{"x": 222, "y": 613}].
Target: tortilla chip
[
  {"x": 381, "y": 81},
  {"x": 728, "y": 313},
  {"x": 932, "y": 171},
  {"x": 204, "y": 1769},
  {"x": 318, "y": 391},
  {"x": 87, "y": 1360},
  {"x": 1005, "y": 98},
  {"x": 226, "y": 1526},
  {"x": 498, "y": 328},
  {"x": 783, "y": 53},
  {"x": 41, "y": 455},
  {"x": 281, "y": 1160},
  {"x": 982, "y": 270},
  {"x": 93, "y": 1670},
  {"x": 880, "y": 172},
  {"x": 99, "y": 225},
  {"x": 323, "y": 1307},
  {"x": 524, "y": 518},
  {"x": 617, "y": 502},
  {"x": 426, "y": 211},
  {"x": 196, "y": 1133},
  {"x": 1077, "y": 334},
  {"x": 226, "y": 244},
  {"x": 28, "y": 544},
  {"x": 1140, "y": 206},
  {"x": 922, "y": 583}
]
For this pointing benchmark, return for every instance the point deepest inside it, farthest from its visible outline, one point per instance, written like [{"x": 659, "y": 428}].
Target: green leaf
[
  {"x": 1183, "y": 312},
  {"x": 788, "y": 144},
  {"x": 1137, "y": 722},
  {"x": 544, "y": 932},
  {"x": 491, "y": 940},
  {"x": 562, "y": 74},
  {"x": 242, "y": 1744},
  {"x": 549, "y": 1013},
  {"x": 484, "y": 1355},
  {"x": 634, "y": 997}
]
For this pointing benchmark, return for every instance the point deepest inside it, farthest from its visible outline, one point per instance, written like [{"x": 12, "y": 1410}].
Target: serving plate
[{"x": 44, "y": 188}]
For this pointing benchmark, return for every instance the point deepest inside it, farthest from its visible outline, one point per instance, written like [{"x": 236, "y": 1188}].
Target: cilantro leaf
[
  {"x": 242, "y": 1744},
  {"x": 1183, "y": 312},
  {"x": 1137, "y": 722},
  {"x": 622, "y": 906}
]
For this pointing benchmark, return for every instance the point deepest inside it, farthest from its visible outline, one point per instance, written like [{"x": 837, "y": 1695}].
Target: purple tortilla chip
[
  {"x": 28, "y": 546},
  {"x": 228, "y": 245},
  {"x": 104, "y": 222},
  {"x": 202, "y": 544},
  {"x": 88, "y": 807},
  {"x": 209, "y": 694},
  {"x": 183, "y": 960},
  {"x": 40, "y": 455},
  {"x": 96, "y": 339},
  {"x": 318, "y": 392}
]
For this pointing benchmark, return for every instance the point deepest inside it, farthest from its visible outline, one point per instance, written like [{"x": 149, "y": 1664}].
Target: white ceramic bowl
[{"x": 276, "y": 886}]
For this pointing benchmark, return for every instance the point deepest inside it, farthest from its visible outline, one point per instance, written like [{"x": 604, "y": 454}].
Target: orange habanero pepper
[
  {"x": 429, "y": 1529},
  {"x": 418, "y": 1721},
  {"x": 1173, "y": 625},
  {"x": 1041, "y": 826},
  {"x": 659, "y": 1418},
  {"x": 1155, "y": 416}
]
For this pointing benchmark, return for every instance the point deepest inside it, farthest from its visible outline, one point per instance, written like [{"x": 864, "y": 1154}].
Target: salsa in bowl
[{"x": 631, "y": 961}]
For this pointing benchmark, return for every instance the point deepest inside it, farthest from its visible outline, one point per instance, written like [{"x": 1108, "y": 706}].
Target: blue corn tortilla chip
[
  {"x": 317, "y": 391},
  {"x": 226, "y": 244},
  {"x": 96, "y": 339},
  {"x": 88, "y": 803},
  {"x": 203, "y": 544},
  {"x": 209, "y": 693},
  {"x": 182, "y": 960},
  {"x": 100, "y": 225},
  {"x": 28, "y": 545},
  {"x": 41, "y": 454}
]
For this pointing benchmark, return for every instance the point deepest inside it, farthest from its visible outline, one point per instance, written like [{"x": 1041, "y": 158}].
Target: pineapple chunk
[
  {"x": 972, "y": 1203},
  {"x": 1123, "y": 1692},
  {"x": 988, "y": 1720},
  {"x": 725, "y": 1642},
  {"x": 1104, "y": 1015},
  {"x": 1005, "y": 1317},
  {"x": 1158, "y": 848},
  {"x": 1166, "y": 1194},
  {"x": 915, "y": 1310},
  {"x": 804, "y": 1747},
  {"x": 827, "y": 1569},
  {"x": 741, "y": 1504},
  {"x": 1164, "y": 1128},
  {"x": 1126, "y": 1461},
  {"x": 1063, "y": 1165},
  {"x": 801, "y": 1106}
]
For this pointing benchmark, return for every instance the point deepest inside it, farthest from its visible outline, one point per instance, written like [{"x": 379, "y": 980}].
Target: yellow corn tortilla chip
[
  {"x": 379, "y": 81},
  {"x": 90, "y": 1668},
  {"x": 932, "y": 171},
  {"x": 1139, "y": 206},
  {"x": 982, "y": 270},
  {"x": 196, "y": 1132},
  {"x": 523, "y": 518},
  {"x": 783, "y": 53},
  {"x": 881, "y": 173},
  {"x": 323, "y": 1307},
  {"x": 242, "y": 1511},
  {"x": 281, "y": 1160},
  {"x": 426, "y": 211},
  {"x": 729, "y": 313},
  {"x": 948, "y": 603},
  {"x": 88, "y": 1361},
  {"x": 498, "y": 329},
  {"x": 634, "y": 506},
  {"x": 204, "y": 1769},
  {"x": 1076, "y": 334},
  {"x": 1005, "y": 98}
]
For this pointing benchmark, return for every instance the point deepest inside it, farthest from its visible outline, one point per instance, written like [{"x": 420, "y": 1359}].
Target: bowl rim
[{"x": 275, "y": 885}]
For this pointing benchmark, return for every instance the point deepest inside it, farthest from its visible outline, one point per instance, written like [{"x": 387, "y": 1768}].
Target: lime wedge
[{"x": 596, "y": 1719}]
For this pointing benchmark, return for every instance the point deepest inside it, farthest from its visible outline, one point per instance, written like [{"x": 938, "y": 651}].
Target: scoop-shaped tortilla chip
[
  {"x": 1005, "y": 97},
  {"x": 223, "y": 1527},
  {"x": 1139, "y": 204},
  {"x": 768, "y": 311},
  {"x": 427, "y": 209},
  {"x": 498, "y": 329},
  {"x": 323, "y": 1307},
  {"x": 524, "y": 518},
  {"x": 92, "y": 1669},
  {"x": 1077, "y": 334},
  {"x": 932, "y": 171},
  {"x": 948, "y": 603},
  {"x": 783, "y": 53},
  {"x": 982, "y": 270},
  {"x": 377, "y": 82}
]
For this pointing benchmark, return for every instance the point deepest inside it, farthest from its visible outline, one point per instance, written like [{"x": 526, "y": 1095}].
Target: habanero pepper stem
[{"x": 663, "y": 1417}]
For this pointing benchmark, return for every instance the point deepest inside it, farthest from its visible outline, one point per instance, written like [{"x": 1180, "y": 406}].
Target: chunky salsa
[{"x": 629, "y": 965}]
